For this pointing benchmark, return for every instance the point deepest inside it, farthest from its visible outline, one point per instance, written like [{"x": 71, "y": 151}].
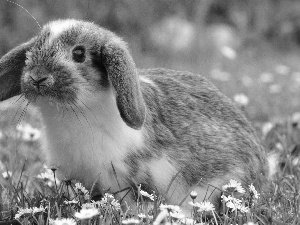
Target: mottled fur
[
  {"x": 106, "y": 120},
  {"x": 199, "y": 127}
]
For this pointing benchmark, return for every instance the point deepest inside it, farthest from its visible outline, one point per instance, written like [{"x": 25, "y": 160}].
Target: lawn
[
  {"x": 31, "y": 193},
  {"x": 263, "y": 80}
]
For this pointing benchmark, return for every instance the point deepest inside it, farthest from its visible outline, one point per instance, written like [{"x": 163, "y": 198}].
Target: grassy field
[
  {"x": 269, "y": 82},
  {"x": 31, "y": 193}
]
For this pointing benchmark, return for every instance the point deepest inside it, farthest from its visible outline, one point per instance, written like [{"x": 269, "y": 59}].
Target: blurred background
[
  {"x": 248, "y": 48},
  {"x": 243, "y": 46}
]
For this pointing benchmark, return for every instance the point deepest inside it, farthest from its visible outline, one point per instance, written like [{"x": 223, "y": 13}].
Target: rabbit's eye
[{"x": 79, "y": 54}]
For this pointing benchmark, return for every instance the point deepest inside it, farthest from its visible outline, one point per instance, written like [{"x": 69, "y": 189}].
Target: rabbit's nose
[{"x": 41, "y": 81}]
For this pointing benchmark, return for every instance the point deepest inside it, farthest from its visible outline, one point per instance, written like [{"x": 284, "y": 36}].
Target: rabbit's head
[{"x": 70, "y": 60}]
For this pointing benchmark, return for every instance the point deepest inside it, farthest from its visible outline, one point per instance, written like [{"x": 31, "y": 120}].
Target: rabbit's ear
[
  {"x": 123, "y": 76},
  {"x": 11, "y": 67}
]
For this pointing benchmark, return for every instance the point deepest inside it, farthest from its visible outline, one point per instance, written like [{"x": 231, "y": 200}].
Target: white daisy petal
[
  {"x": 206, "y": 206},
  {"x": 233, "y": 186},
  {"x": 86, "y": 213}
]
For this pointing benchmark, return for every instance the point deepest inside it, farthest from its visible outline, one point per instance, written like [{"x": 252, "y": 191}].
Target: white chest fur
[{"x": 83, "y": 141}]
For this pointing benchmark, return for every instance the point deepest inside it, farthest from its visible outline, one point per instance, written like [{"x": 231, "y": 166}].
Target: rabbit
[{"x": 107, "y": 121}]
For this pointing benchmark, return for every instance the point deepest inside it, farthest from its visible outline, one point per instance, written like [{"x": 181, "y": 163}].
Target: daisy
[
  {"x": 141, "y": 215},
  {"x": 63, "y": 221},
  {"x": 150, "y": 217},
  {"x": 23, "y": 212},
  {"x": 231, "y": 205},
  {"x": 79, "y": 187},
  {"x": 206, "y": 206},
  {"x": 170, "y": 208},
  {"x": 233, "y": 186},
  {"x": 146, "y": 194},
  {"x": 195, "y": 204},
  {"x": 228, "y": 52},
  {"x": 107, "y": 197},
  {"x": 48, "y": 176},
  {"x": 28, "y": 133},
  {"x": 253, "y": 191},
  {"x": 96, "y": 204},
  {"x": 243, "y": 209},
  {"x": 188, "y": 221},
  {"x": 234, "y": 203},
  {"x": 193, "y": 194},
  {"x": 266, "y": 128},
  {"x": 131, "y": 221},
  {"x": 86, "y": 213},
  {"x": 251, "y": 223},
  {"x": 241, "y": 99},
  {"x": 282, "y": 69},
  {"x": 109, "y": 200},
  {"x": 115, "y": 204},
  {"x": 38, "y": 210},
  {"x": 71, "y": 202},
  {"x": 177, "y": 215},
  {"x": 87, "y": 197},
  {"x": 89, "y": 206},
  {"x": 6, "y": 174}
]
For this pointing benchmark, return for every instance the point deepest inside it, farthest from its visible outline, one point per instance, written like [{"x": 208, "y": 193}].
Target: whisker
[
  {"x": 87, "y": 123},
  {"x": 26, "y": 11},
  {"x": 68, "y": 113},
  {"x": 12, "y": 103},
  {"x": 76, "y": 116},
  {"x": 18, "y": 110},
  {"x": 23, "y": 113},
  {"x": 85, "y": 94},
  {"x": 76, "y": 98},
  {"x": 89, "y": 111},
  {"x": 80, "y": 92},
  {"x": 64, "y": 108}
]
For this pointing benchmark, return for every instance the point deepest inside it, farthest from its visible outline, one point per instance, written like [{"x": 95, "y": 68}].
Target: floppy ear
[
  {"x": 11, "y": 67},
  {"x": 123, "y": 76}
]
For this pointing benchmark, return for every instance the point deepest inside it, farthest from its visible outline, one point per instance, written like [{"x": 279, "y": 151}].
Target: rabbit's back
[{"x": 199, "y": 128}]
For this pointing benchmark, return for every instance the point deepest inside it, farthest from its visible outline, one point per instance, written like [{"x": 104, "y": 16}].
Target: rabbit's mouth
[{"x": 47, "y": 87}]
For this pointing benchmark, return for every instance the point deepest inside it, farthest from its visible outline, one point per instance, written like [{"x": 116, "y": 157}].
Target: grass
[
  {"x": 271, "y": 80},
  {"x": 30, "y": 192}
]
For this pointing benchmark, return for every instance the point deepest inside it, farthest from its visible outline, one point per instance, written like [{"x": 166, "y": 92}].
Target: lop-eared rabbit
[{"x": 107, "y": 121}]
